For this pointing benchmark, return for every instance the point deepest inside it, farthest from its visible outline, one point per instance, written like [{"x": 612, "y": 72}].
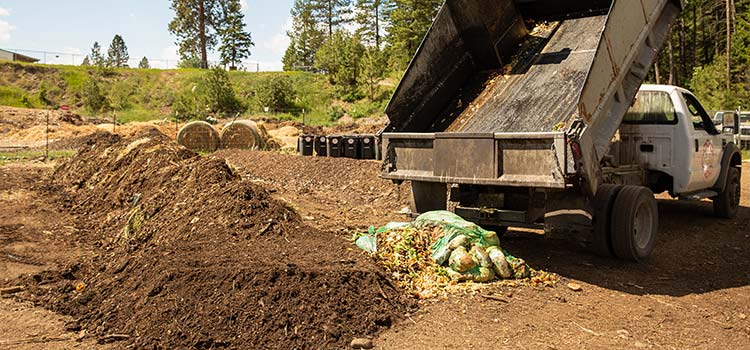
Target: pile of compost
[{"x": 193, "y": 256}]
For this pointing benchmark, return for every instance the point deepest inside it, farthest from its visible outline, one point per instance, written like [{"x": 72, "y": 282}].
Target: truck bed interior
[{"x": 499, "y": 66}]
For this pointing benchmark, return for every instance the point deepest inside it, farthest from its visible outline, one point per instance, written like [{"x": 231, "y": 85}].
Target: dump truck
[{"x": 521, "y": 113}]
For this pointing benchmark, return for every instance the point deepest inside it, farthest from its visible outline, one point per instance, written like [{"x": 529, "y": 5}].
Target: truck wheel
[
  {"x": 428, "y": 196},
  {"x": 635, "y": 221},
  {"x": 727, "y": 202},
  {"x": 601, "y": 242}
]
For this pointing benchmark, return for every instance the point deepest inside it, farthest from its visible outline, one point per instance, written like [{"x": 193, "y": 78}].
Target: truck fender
[{"x": 730, "y": 158}]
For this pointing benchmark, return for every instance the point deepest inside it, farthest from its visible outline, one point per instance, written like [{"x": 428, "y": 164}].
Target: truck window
[
  {"x": 651, "y": 107},
  {"x": 700, "y": 118}
]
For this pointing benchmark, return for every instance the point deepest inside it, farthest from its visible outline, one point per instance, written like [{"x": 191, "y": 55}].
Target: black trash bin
[
  {"x": 321, "y": 145},
  {"x": 367, "y": 146},
  {"x": 305, "y": 145},
  {"x": 335, "y": 146},
  {"x": 352, "y": 147}
]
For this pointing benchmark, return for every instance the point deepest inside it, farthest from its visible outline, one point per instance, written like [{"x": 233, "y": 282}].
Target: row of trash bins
[{"x": 361, "y": 146}]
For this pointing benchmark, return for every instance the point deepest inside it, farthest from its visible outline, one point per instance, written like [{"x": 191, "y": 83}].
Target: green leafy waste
[{"x": 440, "y": 248}]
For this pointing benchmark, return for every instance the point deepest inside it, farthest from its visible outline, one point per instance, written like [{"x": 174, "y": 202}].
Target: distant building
[{"x": 6, "y": 55}]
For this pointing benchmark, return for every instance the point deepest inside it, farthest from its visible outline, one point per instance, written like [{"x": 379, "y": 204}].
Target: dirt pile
[
  {"x": 334, "y": 193},
  {"x": 193, "y": 256}
]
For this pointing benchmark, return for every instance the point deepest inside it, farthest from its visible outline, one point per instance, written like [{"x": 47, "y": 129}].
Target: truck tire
[
  {"x": 635, "y": 221},
  {"x": 428, "y": 196},
  {"x": 728, "y": 201},
  {"x": 601, "y": 242}
]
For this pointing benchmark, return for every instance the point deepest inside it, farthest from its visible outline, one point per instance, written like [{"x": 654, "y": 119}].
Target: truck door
[{"x": 705, "y": 161}]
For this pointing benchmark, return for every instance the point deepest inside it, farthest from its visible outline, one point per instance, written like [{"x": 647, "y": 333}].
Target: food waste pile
[{"x": 439, "y": 249}]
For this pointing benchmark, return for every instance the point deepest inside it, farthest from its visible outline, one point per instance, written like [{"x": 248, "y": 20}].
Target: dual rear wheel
[{"x": 626, "y": 221}]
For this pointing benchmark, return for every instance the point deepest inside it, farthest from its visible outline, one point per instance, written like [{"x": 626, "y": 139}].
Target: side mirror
[{"x": 731, "y": 123}]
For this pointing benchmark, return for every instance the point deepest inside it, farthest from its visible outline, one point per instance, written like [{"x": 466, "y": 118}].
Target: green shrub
[
  {"x": 93, "y": 97},
  {"x": 119, "y": 95},
  {"x": 26, "y": 102},
  {"x": 276, "y": 93},
  {"x": 217, "y": 92},
  {"x": 186, "y": 106},
  {"x": 336, "y": 113},
  {"x": 365, "y": 108}
]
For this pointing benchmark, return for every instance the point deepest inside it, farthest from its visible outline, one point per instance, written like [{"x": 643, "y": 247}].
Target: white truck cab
[{"x": 669, "y": 134}]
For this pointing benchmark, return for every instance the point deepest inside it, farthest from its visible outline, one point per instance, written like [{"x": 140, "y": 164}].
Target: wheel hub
[{"x": 642, "y": 225}]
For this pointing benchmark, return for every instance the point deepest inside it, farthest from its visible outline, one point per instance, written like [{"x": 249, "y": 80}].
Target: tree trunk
[
  {"x": 377, "y": 24},
  {"x": 202, "y": 34},
  {"x": 694, "y": 46},
  {"x": 671, "y": 60},
  {"x": 681, "y": 41},
  {"x": 656, "y": 70},
  {"x": 729, "y": 44},
  {"x": 330, "y": 18},
  {"x": 704, "y": 37}
]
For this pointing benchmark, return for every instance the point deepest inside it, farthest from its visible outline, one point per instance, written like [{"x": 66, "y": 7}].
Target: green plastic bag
[
  {"x": 368, "y": 241},
  {"x": 454, "y": 224}
]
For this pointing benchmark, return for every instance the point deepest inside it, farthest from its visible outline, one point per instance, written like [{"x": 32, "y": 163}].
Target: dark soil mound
[{"x": 195, "y": 257}]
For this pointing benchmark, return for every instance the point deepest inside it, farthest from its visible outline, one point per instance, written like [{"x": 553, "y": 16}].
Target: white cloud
[
  {"x": 278, "y": 43},
  {"x": 5, "y": 27},
  {"x": 243, "y": 5}
]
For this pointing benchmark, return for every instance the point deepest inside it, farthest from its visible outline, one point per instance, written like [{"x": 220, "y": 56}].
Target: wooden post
[{"x": 46, "y": 144}]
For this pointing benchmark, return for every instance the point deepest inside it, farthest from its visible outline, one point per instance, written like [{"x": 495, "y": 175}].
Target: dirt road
[{"x": 694, "y": 292}]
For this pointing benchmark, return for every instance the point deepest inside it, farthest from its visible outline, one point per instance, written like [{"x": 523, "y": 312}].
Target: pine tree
[
  {"x": 340, "y": 58},
  {"x": 372, "y": 68},
  {"x": 409, "y": 21},
  {"x": 369, "y": 16},
  {"x": 331, "y": 13},
  {"x": 96, "y": 55},
  {"x": 305, "y": 38},
  {"x": 196, "y": 24},
  {"x": 144, "y": 63},
  {"x": 235, "y": 41},
  {"x": 117, "y": 54}
]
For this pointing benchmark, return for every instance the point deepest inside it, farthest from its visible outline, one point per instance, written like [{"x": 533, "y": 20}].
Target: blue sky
[{"x": 71, "y": 27}]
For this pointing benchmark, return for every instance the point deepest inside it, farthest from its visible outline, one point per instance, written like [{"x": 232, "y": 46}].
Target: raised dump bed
[{"x": 521, "y": 93}]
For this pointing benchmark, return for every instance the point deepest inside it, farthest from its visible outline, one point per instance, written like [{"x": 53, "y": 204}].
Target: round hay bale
[
  {"x": 242, "y": 134},
  {"x": 198, "y": 136}
]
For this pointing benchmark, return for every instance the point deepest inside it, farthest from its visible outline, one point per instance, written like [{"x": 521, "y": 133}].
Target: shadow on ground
[{"x": 695, "y": 253}]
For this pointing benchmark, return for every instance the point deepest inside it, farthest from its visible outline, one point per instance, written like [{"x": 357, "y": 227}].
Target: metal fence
[{"x": 75, "y": 59}]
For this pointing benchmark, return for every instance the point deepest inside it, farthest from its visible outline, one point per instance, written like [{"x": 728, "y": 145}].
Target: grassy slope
[{"x": 153, "y": 91}]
